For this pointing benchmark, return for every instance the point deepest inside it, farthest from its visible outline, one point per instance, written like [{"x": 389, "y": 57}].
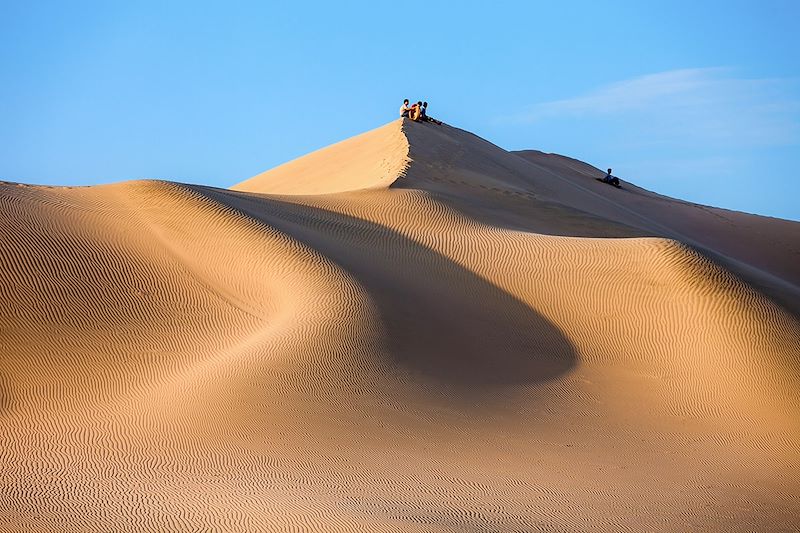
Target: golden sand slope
[
  {"x": 370, "y": 160},
  {"x": 455, "y": 338}
]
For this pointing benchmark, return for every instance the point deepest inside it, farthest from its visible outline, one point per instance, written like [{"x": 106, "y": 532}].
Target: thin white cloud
[{"x": 708, "y": 105}]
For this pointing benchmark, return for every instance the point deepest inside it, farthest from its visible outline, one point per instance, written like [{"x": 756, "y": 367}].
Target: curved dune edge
[
  {"x": 373, "y": 159},
  {"x": 464, "y": 350}
]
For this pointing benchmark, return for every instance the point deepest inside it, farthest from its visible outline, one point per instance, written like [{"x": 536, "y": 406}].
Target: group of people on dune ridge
[{"x": 417, "y": 112}]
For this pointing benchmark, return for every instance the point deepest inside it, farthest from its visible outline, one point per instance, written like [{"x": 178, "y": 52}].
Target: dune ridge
[{"x": 411, "y": 330}]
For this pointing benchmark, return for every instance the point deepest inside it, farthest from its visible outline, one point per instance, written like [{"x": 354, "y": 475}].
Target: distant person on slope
[
  {"x": 404, "y": 109},
  {"x": 613, "y": 180}
]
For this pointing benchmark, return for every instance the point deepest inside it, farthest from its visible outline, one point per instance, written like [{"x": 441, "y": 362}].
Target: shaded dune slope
[
  {"x": 412, "y": 330},
  {"x": 743, "y": 241}
]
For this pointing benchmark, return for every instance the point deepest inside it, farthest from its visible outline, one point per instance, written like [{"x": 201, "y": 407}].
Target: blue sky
[{"x": 698, "y": 100}]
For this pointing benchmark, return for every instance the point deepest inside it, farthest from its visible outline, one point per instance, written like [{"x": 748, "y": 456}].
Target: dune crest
[{"x": 410, "y": 330}]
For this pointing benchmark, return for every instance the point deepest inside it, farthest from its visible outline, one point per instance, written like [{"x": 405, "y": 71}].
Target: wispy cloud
[{"x": 708, "y": 105}]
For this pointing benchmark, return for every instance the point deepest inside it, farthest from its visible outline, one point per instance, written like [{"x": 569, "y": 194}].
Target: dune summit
[{"x": 410, "y": 330}]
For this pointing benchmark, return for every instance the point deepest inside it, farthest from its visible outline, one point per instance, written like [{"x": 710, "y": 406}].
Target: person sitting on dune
[
  {"x": 415, "y": 113},
  {"x": 424, "y": 115},
  {"x": 613, "y": 180},
  {"x": 404, "y": 109}
]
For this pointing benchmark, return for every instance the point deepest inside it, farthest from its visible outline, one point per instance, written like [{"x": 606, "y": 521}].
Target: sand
[{"x": 411, "y": 330}]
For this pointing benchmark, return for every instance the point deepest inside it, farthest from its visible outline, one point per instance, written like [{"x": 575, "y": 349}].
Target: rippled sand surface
[{"x": 411, "y": 330}]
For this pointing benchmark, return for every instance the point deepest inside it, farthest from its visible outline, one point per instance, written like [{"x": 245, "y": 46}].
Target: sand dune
[{"x": 411, "y": 330}]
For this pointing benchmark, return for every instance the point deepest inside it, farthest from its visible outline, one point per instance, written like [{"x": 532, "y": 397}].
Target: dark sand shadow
[{"x": 442, "y": 320}]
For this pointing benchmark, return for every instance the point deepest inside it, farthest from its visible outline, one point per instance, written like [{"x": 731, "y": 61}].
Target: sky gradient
[{"x": 700, "y": 101}]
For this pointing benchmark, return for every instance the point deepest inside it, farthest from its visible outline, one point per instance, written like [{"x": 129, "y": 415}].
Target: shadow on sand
[{"x": 442, "y": 320}]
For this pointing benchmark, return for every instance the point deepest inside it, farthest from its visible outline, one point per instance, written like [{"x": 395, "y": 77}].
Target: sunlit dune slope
[
  {"x": 412, "y": 330},
  {"x": 373, "y": 159}
]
